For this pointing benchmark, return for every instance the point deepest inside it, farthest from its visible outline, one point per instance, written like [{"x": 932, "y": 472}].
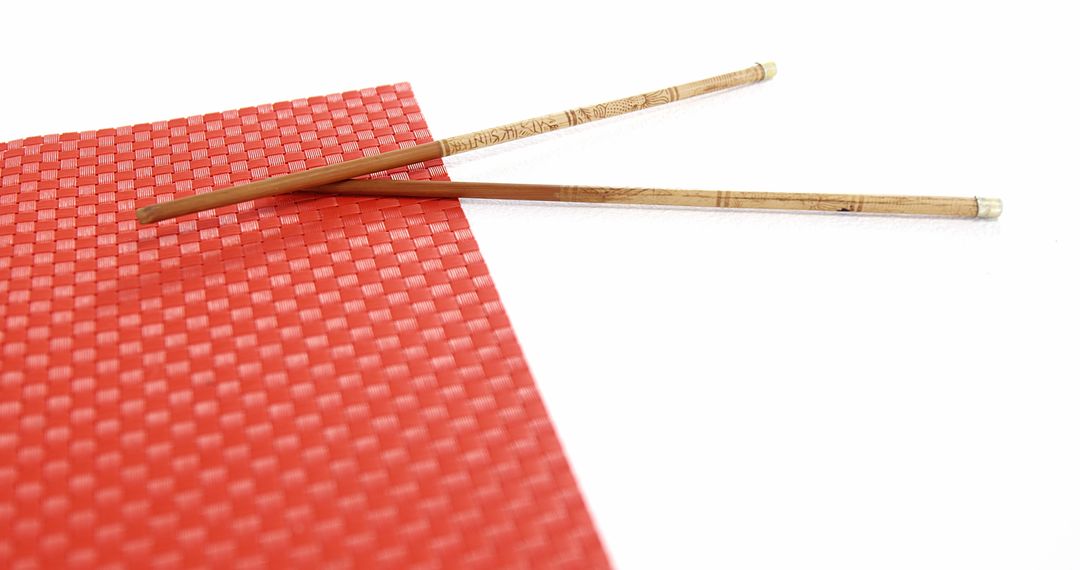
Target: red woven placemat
[{"x": 317, "y": 381}]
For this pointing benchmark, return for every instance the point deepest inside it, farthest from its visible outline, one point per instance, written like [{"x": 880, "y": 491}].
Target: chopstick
[{"x": 959, "y": 207}]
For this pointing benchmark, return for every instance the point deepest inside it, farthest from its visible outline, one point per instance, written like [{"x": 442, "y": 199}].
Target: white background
[{"x": 734, "y": 389}]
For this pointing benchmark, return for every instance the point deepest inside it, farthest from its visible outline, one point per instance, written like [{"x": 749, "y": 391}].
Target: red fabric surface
[{"x": 305, "y": 380}]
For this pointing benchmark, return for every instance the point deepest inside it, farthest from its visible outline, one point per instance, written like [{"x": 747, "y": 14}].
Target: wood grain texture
[
  {"x": 453, "y": 145},
  {"x": 961, "y": 207},
  {"x": 287, "y": 183},
  {"x": 572, "y": 117}
]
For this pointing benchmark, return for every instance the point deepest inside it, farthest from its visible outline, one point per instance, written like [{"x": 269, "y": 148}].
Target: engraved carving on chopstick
[
  {"x": 723, "y": 199},
  {"x": 504, "y": 133},
  {"x": 621, "y": 106},
  {"x": 572, "y": 117}
]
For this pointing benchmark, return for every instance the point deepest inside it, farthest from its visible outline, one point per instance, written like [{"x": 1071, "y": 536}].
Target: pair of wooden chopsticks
[{"x": 333, "y": 178}]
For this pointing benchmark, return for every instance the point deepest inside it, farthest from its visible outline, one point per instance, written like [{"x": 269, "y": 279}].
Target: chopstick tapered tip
[{"x": 145, "y": 215}]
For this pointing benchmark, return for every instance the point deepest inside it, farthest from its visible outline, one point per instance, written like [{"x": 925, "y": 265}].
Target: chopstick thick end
[
  {"x": 769, "y": 68},
  {"x": 989, "y": 208}
]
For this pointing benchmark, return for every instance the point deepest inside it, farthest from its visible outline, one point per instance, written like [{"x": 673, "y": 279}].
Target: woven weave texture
[{"x": 321, "y": 381}]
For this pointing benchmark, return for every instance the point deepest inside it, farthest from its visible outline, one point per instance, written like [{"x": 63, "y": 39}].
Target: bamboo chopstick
[
  {"x": 445, "y": 147},
  {"x": 854, "y": 203}
]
